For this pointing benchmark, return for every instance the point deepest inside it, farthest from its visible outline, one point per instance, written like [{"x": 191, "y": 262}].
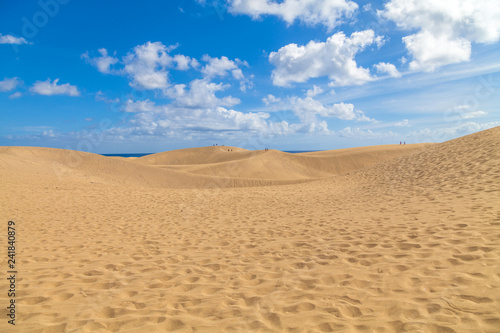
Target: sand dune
[
  {"x": 203, "y": 155},
  {"x": 189, "y": 168},
  {"x": 375, "y": 239},
  {"x": 273, "y": 164}
]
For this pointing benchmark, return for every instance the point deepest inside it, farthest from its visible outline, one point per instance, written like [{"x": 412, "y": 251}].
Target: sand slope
[
  {"x": 189, "y": 168},
  {"x": 273, "y": 164},
  {"x": 58, "y": 165},
  {"x": 409, "y": 244}
]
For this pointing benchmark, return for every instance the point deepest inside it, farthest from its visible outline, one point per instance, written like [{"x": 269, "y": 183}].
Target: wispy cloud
[
  {"x": 15, "y": 95},
  {"x": 10, "y": 84},
  {"x": 9, "y": 39}
]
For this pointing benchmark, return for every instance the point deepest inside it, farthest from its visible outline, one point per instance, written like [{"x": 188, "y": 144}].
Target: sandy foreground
[{"x": 374, "y": 239}]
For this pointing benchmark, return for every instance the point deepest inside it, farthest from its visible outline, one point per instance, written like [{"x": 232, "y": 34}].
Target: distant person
[
  {"x": 400, "y": 143},
  {"x": 404, "y": 143}
]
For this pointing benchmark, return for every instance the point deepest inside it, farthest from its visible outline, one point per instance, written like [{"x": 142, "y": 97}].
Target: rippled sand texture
[{"x": 375, "y": 239}]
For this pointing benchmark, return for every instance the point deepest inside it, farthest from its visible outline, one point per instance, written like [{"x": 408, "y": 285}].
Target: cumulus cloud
[
  {"x": 9, "y": 39},
  {"x": 201, "y": 93},
  {"x": 218, "y": 66},
  {"x": 333, "y": 58},
  {"x": 311, "y": 12},
  {"x": 103, "y": 63},
  {"x": 146, "y": 65},
  {"x": 140, "y": 106},
  {"x": 167, "y": 120},
  {"x": 221, "y": 67},
  {"x": 9, "y": 84},
  {"x": 308, "y": 109},
  {"x": 184, "y": 62},
  {"x": 315, "y": 90},
  {"x": 431, "y": 51},
  {"x": 383, "y": 67},
  {"x": 271, "y": 99},
  {"x": 445, "y": 28},
  {"x": 49, "y": 88}
]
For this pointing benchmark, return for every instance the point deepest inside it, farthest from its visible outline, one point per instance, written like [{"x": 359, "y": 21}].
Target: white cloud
[
  {"x": 271, "y": 99},
  {"x": 431, "y": 51},
  {"x": 99, "y": 96},
  {"x": 314, "y": 91},
  {"x": 222, "y": 66},
  {"x": 473, "y": 114},
  {"x": 333, "y": 58},
  {"x": 184, "y": 62},
  {"x": 140, "y": 106},
  {"x": 201, "y": 93},
  {"x": 237, "y": 74},
  {"x": 9, "y": 39},
  {"x": 383, "y": 67},
  {"x": 236, "y": 120},
  {"x": 48, "y": 88},
  {"x": 312, "y": 12},
  {"x": 357, "y": 133},
  {"x": 448, "y": 133},
  {"x": 380, "y": 41},
  {"x": 445, "y": 28},
  {"x": 308, "y": 109},
  {"x": 460, "y": 112},
  {"x": 217, "y": 66},
  {"x": 169, "y": 120},
  {"x": 10, "y": 84},
  {"x": 402, "y": 123},
  {"x": 17, "y": 94},
  {"x": 103, "y": 63},
  {"x": 49, "y": 134},
  {"x": 147, "y": 64}
]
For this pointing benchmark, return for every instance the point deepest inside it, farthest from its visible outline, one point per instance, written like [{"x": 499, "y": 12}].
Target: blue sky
[{"x": 150, "y": 76}]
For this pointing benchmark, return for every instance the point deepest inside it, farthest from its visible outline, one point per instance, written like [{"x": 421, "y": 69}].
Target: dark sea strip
[
  {"x": 144, "y": 154},
  {"x": 127, "y": 155}
]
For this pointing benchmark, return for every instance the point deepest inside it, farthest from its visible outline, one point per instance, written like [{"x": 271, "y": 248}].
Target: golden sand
[{"x": 374, "y": 239}]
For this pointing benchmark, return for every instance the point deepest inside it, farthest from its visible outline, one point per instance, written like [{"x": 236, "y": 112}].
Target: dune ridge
[
  {"x": 393, "y": 243},
  {"x": 195, "y": 167}
]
